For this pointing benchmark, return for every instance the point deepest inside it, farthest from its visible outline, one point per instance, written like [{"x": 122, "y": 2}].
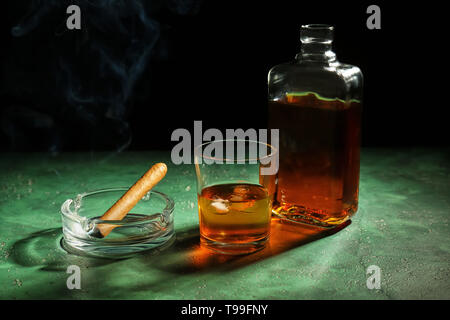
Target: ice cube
[
  {"x": 241, "y": 190},
  {"x": 236, "y": 198},
  {"x": 239, "y": 194},
  {"x": 220, "y": 206},
  {"x": 244, "y": 207}
]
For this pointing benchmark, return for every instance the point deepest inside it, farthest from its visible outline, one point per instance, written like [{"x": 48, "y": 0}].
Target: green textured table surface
[{"x": 402, "y": 227}]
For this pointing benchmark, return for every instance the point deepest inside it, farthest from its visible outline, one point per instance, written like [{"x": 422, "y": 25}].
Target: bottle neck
[{"x": 317, "y": 41}]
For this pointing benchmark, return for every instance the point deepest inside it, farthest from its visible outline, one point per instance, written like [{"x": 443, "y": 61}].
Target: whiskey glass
[{"x": 235, "y": 192}]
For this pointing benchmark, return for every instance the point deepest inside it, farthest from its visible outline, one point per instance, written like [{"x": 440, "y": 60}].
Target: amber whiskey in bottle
[{"x": 315, "y": 101}]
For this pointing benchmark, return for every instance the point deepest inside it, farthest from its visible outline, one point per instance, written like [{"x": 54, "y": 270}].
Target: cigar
[{"x": 122, "y": 206}]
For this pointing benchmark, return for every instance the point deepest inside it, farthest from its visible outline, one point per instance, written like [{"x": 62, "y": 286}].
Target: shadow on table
[
  {"x": 42, "y": 249},
  {"x": 187, "y": 256}
]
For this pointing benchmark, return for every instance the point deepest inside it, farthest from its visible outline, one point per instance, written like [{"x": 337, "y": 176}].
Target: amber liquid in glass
[
  {"x": 234, "y": 213},
  {"x": 318, "y": 175}
]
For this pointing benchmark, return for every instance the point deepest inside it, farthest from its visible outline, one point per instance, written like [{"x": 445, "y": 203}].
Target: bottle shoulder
[
  {"x": 343, "y": 70},
  {"x": 349, "y": 72},
  {"x": 331, "y": 80}
]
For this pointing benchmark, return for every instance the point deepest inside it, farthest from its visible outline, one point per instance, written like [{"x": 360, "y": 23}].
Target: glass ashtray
[{"x": 149, "y": 225}]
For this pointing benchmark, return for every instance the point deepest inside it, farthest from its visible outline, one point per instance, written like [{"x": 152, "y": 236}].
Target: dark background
[{"x": 140, "y": 69}]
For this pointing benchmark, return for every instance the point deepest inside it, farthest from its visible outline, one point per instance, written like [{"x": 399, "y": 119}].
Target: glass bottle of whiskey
[{"x": 315, "y": 102}]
